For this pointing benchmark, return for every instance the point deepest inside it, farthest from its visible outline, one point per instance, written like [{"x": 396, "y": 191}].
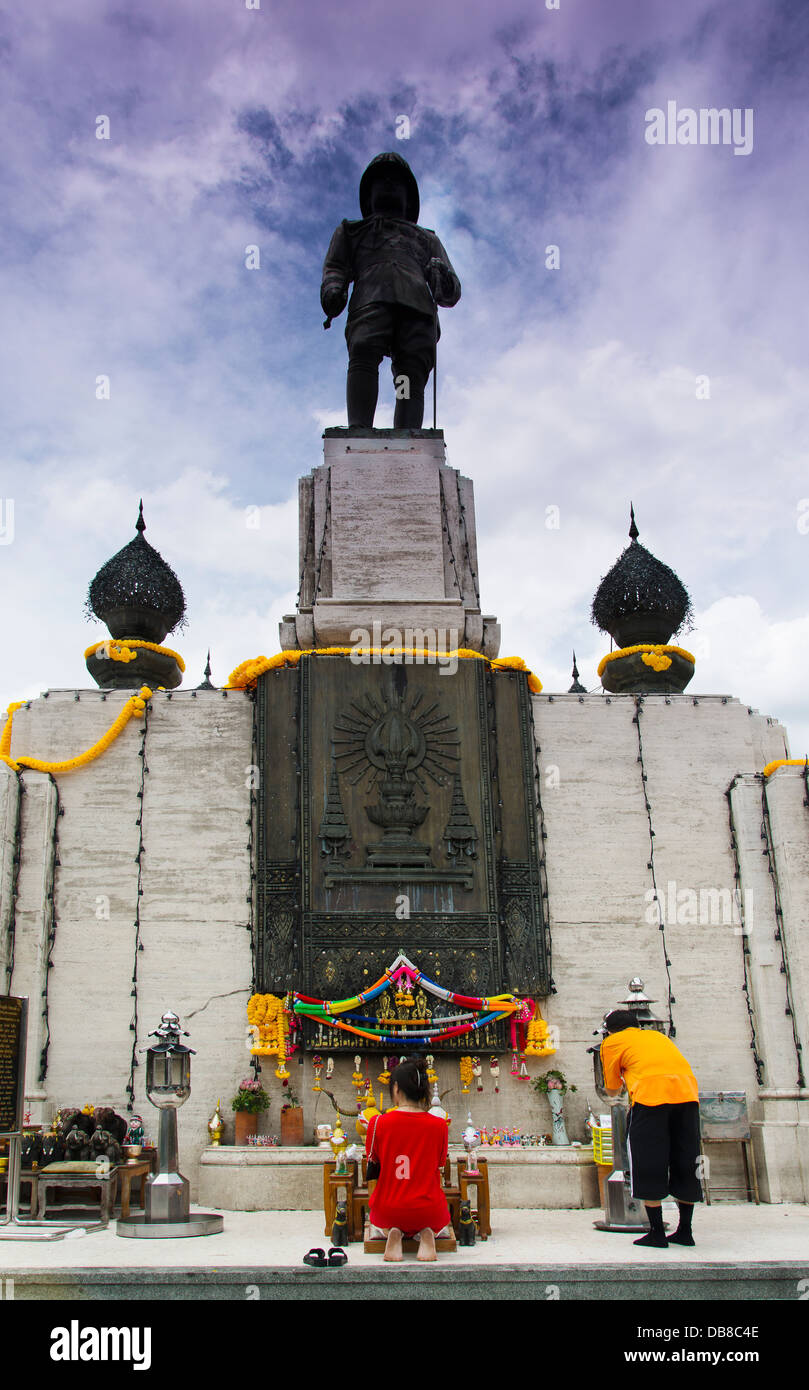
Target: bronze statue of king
[{"x": 401, "y": 273}]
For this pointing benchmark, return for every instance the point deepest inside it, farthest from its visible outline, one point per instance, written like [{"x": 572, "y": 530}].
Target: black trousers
[{"x": 663, "y": 1146}]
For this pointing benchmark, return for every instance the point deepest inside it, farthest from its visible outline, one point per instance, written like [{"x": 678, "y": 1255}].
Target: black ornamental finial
[
  {"x": 633, "y": 530},
  {"x": 206, "y": 684},
  {"x": 576, "y": 688},
  {"x": 140, "y": 524}
]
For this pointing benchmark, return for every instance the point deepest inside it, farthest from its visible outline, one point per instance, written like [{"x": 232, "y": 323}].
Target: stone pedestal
[{"x": 388, "y": 552}]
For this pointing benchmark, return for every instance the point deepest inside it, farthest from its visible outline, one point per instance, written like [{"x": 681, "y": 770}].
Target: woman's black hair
[{"x": 411, "y": 1078}]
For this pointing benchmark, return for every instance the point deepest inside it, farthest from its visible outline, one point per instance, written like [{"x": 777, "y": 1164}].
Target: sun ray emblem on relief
[{"x": 396, "y": 737}]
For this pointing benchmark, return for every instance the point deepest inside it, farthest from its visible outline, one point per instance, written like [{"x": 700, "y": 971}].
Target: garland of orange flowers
[
  {"x": 465, "y": 1065},
  {"x": 135, "y": 705},
  {"x": 538, "y": 1037},
  {"x": 265, "y": 1012},
  {"x": 249, "y": 671},
  {"x": 122, "y": 650},
  {"x": 658, "y": 654},
  {"x": 784, "y": 762}
]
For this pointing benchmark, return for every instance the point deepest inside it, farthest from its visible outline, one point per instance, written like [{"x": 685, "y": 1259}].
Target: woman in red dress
[{"x": 410, "y": 1147}]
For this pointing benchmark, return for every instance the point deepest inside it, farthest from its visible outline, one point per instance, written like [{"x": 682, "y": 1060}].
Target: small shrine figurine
[
  {"x": 467, "y": 1231},
  {"x": 436, "y": 1108},
  {"x": 216, "y": 1126},
  {"x": 135, "y": 1133},
  {"x": 471, "y": 1140},
  {"x": 339, "y": 1144}
]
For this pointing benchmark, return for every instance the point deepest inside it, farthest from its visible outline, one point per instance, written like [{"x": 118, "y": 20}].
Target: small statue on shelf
[{"x": 471, "y": 1140}]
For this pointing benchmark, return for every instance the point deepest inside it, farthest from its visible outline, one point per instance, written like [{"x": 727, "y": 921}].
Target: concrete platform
[{"x": 744, "y": 1253}]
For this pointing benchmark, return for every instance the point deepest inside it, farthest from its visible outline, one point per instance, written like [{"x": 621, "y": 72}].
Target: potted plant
[
  {"x": 291, "y": 1118},
  {"x": 249, "y": 1101},
  {"x": 554, "y": 1085}
]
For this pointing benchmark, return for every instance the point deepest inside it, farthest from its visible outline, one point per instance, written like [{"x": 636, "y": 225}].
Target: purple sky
[{"x": 573, "y": 388}]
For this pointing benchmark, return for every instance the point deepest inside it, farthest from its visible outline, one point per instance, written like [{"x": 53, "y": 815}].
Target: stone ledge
[{"x": 289, "y": 1179}]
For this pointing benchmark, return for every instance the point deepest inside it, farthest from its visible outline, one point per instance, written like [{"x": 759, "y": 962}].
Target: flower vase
[
  {"x": 555, "y": 1101},
  {"x": 246, "y": 1125},
  {"x": 292, "y": 1126}
]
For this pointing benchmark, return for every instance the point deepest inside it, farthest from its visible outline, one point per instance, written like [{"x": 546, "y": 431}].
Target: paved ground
[{"x": 725, "y": 1233}]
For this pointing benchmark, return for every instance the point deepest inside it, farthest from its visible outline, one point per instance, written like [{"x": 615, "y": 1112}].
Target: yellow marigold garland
[
  {"x": 465, "y": 1066},
  {"x": 135, "y": 705},
  {"x": 122, "y": 650},
  {"x": 266, "y": 1013},
  {"x": 783, "y": 762},
  {"x": 538, "y": 1037},
  {"x": 653, "y": 649},
  {"x": 249, "y": 671},
  {"x": 656, "y": 660}
]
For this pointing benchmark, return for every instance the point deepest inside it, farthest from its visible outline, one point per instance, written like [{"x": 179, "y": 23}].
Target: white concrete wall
[
  {"x": 196, "y": 878},
  {"x": 194, "y": 912}
]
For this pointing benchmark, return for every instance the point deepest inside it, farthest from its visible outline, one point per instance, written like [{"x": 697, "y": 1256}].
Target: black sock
[
  {"x": 655, "y": 1215},
  {"x": 683, "y": 1236},
  {"x": 686, "y": 1211},
  {"x": 657, "y": 1234}
]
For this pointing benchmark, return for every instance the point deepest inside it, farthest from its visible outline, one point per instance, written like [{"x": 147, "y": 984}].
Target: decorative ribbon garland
[{"x": 478, "y": 1013}]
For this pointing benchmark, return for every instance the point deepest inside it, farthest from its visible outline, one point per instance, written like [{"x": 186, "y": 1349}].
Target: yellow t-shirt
[{"x": 655, "y": 1071}]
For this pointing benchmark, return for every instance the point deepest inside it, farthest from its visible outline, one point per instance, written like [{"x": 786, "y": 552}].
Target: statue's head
[{"x": 389, "y": 186}]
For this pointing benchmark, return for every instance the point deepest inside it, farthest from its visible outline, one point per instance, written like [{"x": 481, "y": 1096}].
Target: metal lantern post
[
  {"x": 622, "y": 1212},
  {"x": 168, "y": 1086}
]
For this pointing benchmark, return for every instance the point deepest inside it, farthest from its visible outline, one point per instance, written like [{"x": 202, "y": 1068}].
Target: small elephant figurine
[
  {"x": 105, "y": 1147},
  {"x": 31, "y": 1150},
  {"x": 466, "y": 1225},
  {"x": 77, "y": 1146},
  {"x": 107, "y": 1119},
  {"x": 53, "y": 1149}
]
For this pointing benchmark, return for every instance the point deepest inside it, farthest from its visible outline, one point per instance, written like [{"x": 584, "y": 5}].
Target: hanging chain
[
  {"x": 766, "y": 835},
  {"x": 651, "y": 864},
  {"x": 734, "y": 844}
]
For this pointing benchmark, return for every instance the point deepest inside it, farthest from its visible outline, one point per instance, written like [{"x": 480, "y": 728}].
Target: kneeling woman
[{"x": 410, "y": 1147}]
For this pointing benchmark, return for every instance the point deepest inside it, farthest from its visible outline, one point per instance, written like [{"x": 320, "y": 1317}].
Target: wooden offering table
[
  {"x": 480, "y": 1181},
  {"x": 83, "y": 1181},
  {"x": 134, "y": 1170}
]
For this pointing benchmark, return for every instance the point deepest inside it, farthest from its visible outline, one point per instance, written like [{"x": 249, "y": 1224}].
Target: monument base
[{"x": 388, "y": 550}]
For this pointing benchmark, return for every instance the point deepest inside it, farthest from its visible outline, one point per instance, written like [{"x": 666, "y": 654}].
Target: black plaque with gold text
[{"x": 13, "y": 1018}]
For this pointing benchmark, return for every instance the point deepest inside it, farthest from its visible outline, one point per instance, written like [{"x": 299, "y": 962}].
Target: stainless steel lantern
[
  {"x": 168, "y": 1065},
  {"x": 168, "y": 1086}
]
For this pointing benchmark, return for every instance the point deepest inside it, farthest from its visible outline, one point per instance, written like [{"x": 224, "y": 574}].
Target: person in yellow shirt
[{"x": 663, "y": 1130}]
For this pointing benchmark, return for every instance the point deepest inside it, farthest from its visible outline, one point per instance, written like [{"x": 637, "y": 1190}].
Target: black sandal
[
  {"x": 337, "y": 1256},
  {"x": 316, "y": 1258}
]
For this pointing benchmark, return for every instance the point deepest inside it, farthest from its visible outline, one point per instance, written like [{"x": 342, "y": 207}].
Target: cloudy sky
[{"x": 574, "y": 388}]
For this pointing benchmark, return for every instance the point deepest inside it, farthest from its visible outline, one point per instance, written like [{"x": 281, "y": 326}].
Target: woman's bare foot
[
  {"x": 393, "y": 1246},
  {"x": 426, "y": 1250}
]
